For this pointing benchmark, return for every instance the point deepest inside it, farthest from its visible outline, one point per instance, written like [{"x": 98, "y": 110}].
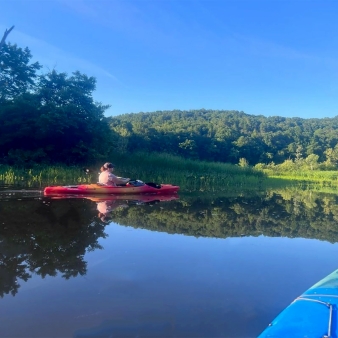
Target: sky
[{"x": 263, "y": 57}]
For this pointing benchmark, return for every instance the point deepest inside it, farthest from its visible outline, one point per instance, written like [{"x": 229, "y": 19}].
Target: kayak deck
[
  {"x": 86, "y": 189},
  {"x": 313, "y": 314}
]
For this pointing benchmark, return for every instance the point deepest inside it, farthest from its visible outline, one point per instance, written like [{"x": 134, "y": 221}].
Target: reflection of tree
[
  {"x": 12, "y": 268},
  {"x": 286, "y": 212},
  {"x": 45, "y": 237}
]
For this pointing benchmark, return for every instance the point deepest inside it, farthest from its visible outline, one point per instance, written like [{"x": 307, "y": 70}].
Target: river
[{"x": 198, "y": 265}]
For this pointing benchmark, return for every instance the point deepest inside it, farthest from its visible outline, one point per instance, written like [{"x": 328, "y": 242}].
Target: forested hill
[{"x": 227, "y": 136}]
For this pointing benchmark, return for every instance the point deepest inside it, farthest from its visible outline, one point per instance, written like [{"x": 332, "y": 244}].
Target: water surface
[{"x": 197, "y": 266}]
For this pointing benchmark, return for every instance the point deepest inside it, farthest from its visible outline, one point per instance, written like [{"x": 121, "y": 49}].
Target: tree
[
  {"x": 59, "y": 122},
  {"x": 331, "y": 156},
  {"x": 188, "y": 147},
  {"x": 17, "y": 75},
  {"x": 71, "y": 125},
  {"x": 312, "y": 161},
  {"x": 243, "y": 162},
  {"x": 3, "y": 40},
  {"x": 19, "y": 130}
]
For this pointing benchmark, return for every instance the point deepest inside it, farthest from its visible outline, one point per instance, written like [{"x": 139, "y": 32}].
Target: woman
[{"x": 107, "y": 177}]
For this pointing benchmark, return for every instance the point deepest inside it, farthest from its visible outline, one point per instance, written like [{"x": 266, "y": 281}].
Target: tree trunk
[{"x": 7, "y": 31}]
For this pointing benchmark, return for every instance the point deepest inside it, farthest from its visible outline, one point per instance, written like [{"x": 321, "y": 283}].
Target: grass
[
  {"x": 40, "y": 176},
  {"x": 189, "y": 174},
  {"x": 315, "y": 177},
  {"x": 161, "y": 168}
]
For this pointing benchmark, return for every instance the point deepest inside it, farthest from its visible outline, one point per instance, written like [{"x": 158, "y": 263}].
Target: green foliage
[
  {"x": 17, "y": 74},
  {"x": 40, "y": 176},
  {"x": 72, "y": 126},
  {"x": 48, "y": 118},
  {"x": 190, "y": 175},
  {"x": 52, "y": 118},
  {"x": 243, "y": 162},
  {"x": 289, "y": 171},
  {"x": 227, "y": 136}
]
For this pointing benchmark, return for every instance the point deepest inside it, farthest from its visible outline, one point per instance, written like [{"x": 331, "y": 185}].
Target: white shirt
[{"x": 107, "y": 178}]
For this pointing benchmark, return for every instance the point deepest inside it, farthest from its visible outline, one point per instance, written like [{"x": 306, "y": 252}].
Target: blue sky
[{"x": 263, "y": 57}]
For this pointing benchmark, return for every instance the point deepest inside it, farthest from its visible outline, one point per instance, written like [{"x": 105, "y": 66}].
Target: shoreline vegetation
[
  {"x": 52, "y": 126},
  {"x": 190, "y": 175}
]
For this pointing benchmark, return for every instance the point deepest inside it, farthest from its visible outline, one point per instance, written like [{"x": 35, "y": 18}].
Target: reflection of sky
[{"x": 156, "y": 283}]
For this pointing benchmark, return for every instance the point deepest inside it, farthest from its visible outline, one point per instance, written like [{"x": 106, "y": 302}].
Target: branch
[{"x": 7, "y": 31}]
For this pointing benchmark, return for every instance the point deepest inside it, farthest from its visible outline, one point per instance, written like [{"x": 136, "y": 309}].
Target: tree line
[
  {"x": 230, "y": 136},
  {"x": 48, "y": 117},
  {"x": 52, "y": 118}
]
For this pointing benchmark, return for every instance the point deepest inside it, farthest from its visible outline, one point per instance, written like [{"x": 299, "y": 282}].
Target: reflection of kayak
[
  {"x": 313, "y": 314},
  {"x": 137, "y": 198},
  {"x": 92, "y": 189}
]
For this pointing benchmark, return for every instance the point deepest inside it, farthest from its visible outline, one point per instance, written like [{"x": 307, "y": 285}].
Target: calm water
[{"x": 197, "y": 266}]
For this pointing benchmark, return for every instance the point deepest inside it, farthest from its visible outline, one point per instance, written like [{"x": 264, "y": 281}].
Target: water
[{"x": 197, "y": 266}]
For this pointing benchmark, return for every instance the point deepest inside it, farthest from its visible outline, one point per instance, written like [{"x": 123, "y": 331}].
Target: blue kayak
[{"x": 312, "y": 315}]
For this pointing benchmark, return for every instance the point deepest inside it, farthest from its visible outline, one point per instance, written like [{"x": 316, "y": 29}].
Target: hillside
[{"x": 226, "y": 136}]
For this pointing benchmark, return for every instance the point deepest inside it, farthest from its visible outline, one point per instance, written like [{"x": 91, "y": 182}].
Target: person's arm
[
  {"x": 118, "y": 180},
  {"x": 123, "y": 180}
]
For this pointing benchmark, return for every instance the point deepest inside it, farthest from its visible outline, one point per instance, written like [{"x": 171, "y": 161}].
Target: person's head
[{"x": 107, "y": 166}]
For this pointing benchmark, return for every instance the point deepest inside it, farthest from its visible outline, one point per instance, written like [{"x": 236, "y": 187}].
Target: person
[{"x": 107, "y": 177}]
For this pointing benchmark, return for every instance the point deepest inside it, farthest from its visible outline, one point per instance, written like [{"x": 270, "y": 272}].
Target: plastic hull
[
  {"x": 94, "y": 189},
  {"x": 313, "y": 314},
  {"x": 145, "y": 198}
]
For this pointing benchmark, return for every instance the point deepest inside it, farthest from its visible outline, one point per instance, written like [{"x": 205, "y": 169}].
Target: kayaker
[{"x": 107, "y": 177}]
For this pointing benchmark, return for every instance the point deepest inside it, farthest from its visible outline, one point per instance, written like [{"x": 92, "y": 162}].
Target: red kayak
[
  {"x": 144, "y": 198},
  {"x": 130, "y": 188}
]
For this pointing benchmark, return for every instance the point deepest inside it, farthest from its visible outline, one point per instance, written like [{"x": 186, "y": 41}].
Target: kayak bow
[{"x": 313, "y": 314}]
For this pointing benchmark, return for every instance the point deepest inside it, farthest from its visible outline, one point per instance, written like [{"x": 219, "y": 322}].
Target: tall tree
[
  {"x": 3, "y": 40},
  {"x": 71, "y": 124},
  {"x": 17, "y": 74}
]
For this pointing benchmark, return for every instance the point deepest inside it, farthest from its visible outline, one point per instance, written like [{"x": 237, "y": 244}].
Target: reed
[
  {"x": 40, "y": 176},
  {"x": 190, "y": 175},
  {"x": 160, "y": 168},
  {"x": 319, "y": 177}
]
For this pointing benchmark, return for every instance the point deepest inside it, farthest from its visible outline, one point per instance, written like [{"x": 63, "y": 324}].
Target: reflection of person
[
  {"x": 106, "y": 207},
  {"x": 107, "y": 177}
]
